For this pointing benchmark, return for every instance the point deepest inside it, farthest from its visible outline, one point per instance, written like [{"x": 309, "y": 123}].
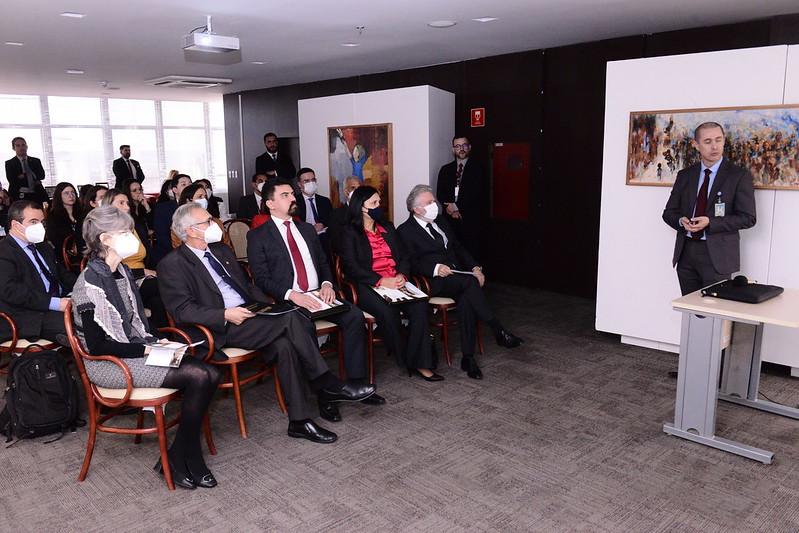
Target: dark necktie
[
  {"x": 436, "y": 235},
  {"x": 459, "y": 175},
  {"x": 296, "y": 256},
  {"x": 130, "y": 169},
  {"x": 274, "y": 157},
  {"x": 701, "y": 204},
  {"x": 54, "y": 290},
  {"x": 219, "y": 269},
  {"x": 28, "y": 174},
  {"x": 313, "y": 210}
]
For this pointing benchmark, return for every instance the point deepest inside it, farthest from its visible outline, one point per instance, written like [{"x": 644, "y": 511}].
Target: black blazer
[
  {"x": 16, "y": 179},
  {"x": 336, "y": 227},
  {"x": 22, "y": 294},
  {"x": 248, "y": 206},
  {"x": 122, "y": 173},
  {"x": 323, "y": 207},
  {"x": 737, "y": 190},
  {"x": 473, "y": 195},
  {"x": 270, "y": 260},
  {"x": 189, "y": 292},
  {"x": 356, "y": 255},
  {"x": 424, "y": 252},
  {"x": 284, "y": 166}
]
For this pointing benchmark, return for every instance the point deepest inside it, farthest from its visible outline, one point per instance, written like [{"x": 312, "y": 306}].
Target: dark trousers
[
  {"x": 354, "y": 341},
  {"x": 289, "y": 342},
  {"x": 471, "y": 304},
  {"x": 695, "y": 269},
  {"x": 416, "y": 352},
  {"x": 52, "y": 325}
]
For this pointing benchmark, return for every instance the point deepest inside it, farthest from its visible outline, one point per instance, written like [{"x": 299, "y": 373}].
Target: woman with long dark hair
[
  {"x": 109, "y": 318},
  {"x": 371, "y": 256},
  {"x": 63, "y": 217}
]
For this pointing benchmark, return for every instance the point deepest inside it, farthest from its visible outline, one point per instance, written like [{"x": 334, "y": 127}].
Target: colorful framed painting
[
  {"x": 364, "y": 152},
  {"x": 764, "y": 140}
]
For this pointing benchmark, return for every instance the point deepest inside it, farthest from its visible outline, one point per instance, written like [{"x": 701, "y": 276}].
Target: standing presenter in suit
[
  {"x": 271, "y": 160},
  {"x": 126, "y": 168},
  {"x": 709, "y": 203},
  {"x": 25, "y": 174}
]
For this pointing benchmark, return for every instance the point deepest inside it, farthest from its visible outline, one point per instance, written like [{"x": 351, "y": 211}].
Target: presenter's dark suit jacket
[
  {"x": 16, "y": 180},
  {"x": 736, "y": 187},
  {"x": 22, "y": 294},
  {"x": 472, "y": 201},
  {"x": 122, "y": 173},
  {"x": 323, "y": 207},
  {"x": 424, "y": 252},
  {"x": 248, "y": 206},
  {"x": 284, "y": 166}
]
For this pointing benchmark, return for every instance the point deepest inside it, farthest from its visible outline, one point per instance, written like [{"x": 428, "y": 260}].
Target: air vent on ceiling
[{"x": 188, "y": 82}]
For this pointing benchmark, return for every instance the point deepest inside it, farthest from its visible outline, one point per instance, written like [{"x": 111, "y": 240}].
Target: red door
[{"x": 511, "y": 181}]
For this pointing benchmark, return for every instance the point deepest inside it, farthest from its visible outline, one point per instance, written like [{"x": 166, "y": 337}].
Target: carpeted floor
[{"x": 564, "y": 434}]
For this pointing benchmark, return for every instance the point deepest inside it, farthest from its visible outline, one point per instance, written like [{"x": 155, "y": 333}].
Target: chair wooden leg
[
  {"x": 139, "y": 425},
  {"x": 341, "y": 371},
  {"x": 207, "y": 430},
  {"x": 159, "y": 422},
  {"x": 234, "y": 378},
  {"x": 480, "y": 338},
  {"x": 279, "y": 390},
  {"x": 227, "y": 378},
  {"x": 445, "y": 334},
  {"x": 90, "y": 444}
]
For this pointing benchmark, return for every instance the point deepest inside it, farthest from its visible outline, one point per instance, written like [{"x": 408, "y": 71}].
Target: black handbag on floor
[{"x": 41, "y": 397}]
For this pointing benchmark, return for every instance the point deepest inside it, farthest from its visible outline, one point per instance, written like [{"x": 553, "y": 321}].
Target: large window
[{"x": 77, "y": 139}]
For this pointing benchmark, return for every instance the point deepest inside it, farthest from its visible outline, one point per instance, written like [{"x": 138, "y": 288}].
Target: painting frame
[
  {"x": 365, "y": 151},
  {"x": 761, "y": 139}
]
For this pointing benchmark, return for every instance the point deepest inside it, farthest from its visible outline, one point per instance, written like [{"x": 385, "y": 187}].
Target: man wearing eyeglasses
[{"x": 463, "y": 189}]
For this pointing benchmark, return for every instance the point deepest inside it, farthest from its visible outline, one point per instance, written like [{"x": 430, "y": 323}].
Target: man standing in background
[
  {"x": 25, "y": 174},
  {"x": 125, "y": 167},
  {"x": 272, "y": 160}
]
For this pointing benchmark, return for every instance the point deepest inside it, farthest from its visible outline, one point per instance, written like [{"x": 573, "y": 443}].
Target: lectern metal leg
[{"x": 719, "y": 443}]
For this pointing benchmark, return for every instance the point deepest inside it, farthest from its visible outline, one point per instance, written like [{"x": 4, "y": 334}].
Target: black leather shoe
[
  {"x": 307, "y": 429},
  {"x": 434, "y": 377},
  {"x": 470, "y": 366},
  {"x": 351, "y": 392},
  {"x": 374, "y": 399},
  {"x": 178, "y": 478},
  {"x": 508, "y": 340},
  {"x": 208, "y": 481},
  {"x": 329, "y": 411}
]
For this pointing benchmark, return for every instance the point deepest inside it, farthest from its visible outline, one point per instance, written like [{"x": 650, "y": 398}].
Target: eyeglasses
[
  {"x": 461, "y": 146},
  {"x": 69, "y": 193},
  {"x": 210, "y": 219}
]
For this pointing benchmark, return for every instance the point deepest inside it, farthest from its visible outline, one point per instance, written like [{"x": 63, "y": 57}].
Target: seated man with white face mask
[
  {"x": 201, "y": 283},
  {"x": 313, "y": 208},
  {"x": 434, "y": 252},
  {"x": 33, "y": 287}
]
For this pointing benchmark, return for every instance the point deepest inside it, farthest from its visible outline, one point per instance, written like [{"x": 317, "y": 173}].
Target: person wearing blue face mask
[
  {"x": 196, "y": 193},
  {"x": 371, "y": 255}
]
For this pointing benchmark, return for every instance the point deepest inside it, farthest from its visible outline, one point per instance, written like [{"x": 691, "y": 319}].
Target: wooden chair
[
  {"x": 445, "y": 305},
  {"x": 237, "y": 229},
  {"x": 69, "y": 252},
  {"x": 118, "y": 399},
  {"x": 17, "y": 346},
  {"x": 236, "y": 358}
]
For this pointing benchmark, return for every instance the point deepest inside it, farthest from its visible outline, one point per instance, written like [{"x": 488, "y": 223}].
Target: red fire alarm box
[{"x": 478, "y": 117}]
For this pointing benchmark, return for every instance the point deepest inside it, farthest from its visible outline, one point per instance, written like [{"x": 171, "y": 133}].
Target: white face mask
[
  {"x": 171, "y": 194},
  {"x": 202, "y": 202},
  {"x": 260, "y": 187},
  {"x": 431, "y": 211},
  {"x": 213, "y": 233},
  {"x": 209, "y": 193},
  {"x": 35, "y": 233},
  {"x": 125, "y": 245},
  {"x": 310, "y": 188}
]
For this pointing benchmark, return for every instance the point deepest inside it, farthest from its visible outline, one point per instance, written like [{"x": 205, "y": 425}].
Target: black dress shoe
[
  {"x": 208, "y": 481},
  {"x": 374, "y": 399},
  {"x": 329, "y": 411},
  {"x": 178, "y": 478},
  {"x": 470, "y": 366},
  {"x": 508, "y": 340},
  {"x": 434, "y": 377},
  {"x": 307, "y": 429},
  {"x": 350, "y": 392}
]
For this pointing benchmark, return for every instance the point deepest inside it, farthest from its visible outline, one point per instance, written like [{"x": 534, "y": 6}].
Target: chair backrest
[
  {"x": 69, "y": 250},
  {"x": 337, "y": 269},
  {"x": 237, "y": 230}
]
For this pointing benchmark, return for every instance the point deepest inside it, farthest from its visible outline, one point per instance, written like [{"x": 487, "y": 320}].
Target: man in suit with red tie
[
  {"x": 463, "y": 189},
  {"x": 709, "y": 203},
  {"x": 25, "y": 174},
  {"x": 287, "y": 260},
  {"x": 33, "y": 287},
  {"x": 435, "y": 252}
]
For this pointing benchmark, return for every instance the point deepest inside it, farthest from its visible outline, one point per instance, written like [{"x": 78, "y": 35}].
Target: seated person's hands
[{"x": 237, "y": 315}]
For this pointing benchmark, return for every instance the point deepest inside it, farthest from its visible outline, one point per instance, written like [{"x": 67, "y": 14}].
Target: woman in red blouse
[{"x": 371, "y": 257}]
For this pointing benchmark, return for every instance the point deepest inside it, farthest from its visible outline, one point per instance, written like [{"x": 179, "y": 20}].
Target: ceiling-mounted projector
[{"x": 207, "y": 41}]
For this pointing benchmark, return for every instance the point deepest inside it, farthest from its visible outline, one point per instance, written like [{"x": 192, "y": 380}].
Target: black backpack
[{"x": 41, "y": 397}]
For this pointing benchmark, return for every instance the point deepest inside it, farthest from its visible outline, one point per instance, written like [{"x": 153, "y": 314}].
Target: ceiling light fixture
[
  {"x": 259, "y": 62},
  {"x": 14, "y": 43},
  {"x": 486, "y": 19},
  {"x": 74, "y": 71},
  {"x": 357, "y": 42},
  {"x": 442, "y": 23},
  {"x": 208, "y": 41},
  {"x": 71, "y": 15}
]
